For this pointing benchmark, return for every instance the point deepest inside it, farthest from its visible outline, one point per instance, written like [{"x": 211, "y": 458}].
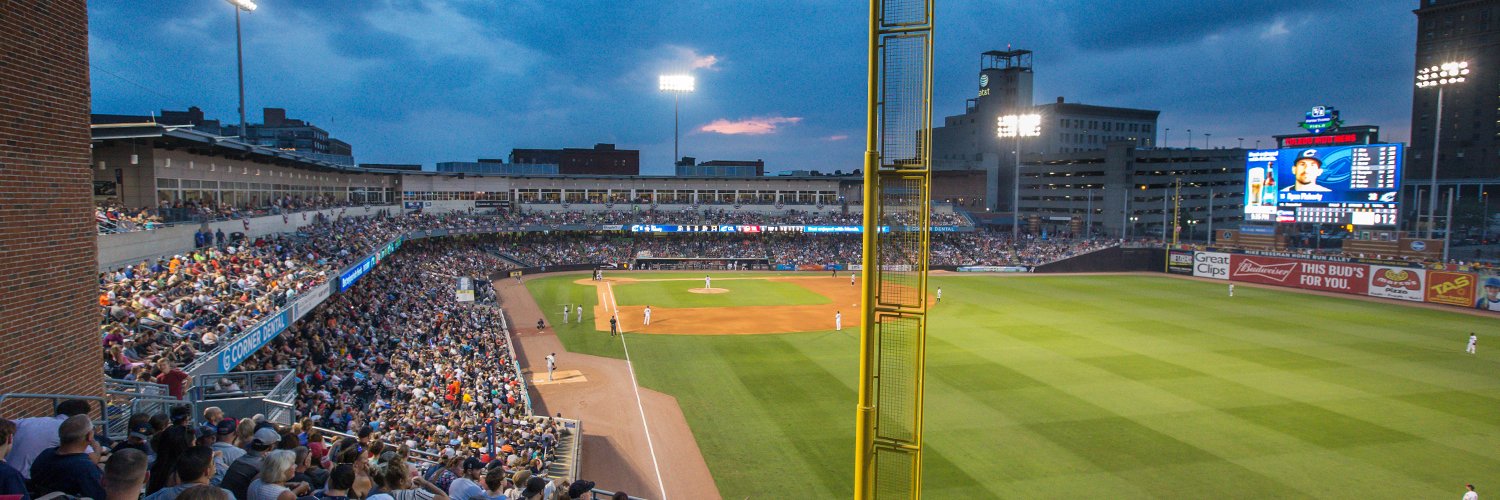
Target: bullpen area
[{"x": 1080, "y": 386}]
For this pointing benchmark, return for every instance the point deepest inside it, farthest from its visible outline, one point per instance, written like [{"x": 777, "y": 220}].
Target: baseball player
[
  {"x": 851, "y": 279},
  {"x": 551, "y": 365},
  {"x": 940, "y": 294},
  {"x": 614, "y": 326},
  {"x": 1473, "y": 340},
  {"x": 838, "y": 320},
  {"x": 566, "y": 308},
  {"x": 1231, "y": 289},
  {"x": 540, "y": 325},
  {"x": 648, "y": 315},
  {"x": 578, "y": 308},
  {"x": 708, "y": 282},
  {"x": 1471, "y": 495}
]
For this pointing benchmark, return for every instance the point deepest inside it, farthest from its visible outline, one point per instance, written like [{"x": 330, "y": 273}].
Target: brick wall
[{"x": 49, "y": 339}]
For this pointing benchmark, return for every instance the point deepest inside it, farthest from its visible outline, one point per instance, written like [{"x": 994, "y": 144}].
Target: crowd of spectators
[
  {"x": 183, "y": 456},
  {"x": 114, "y": 217},
  {"x": 397, "y": 355},
  {"x": 705, "y": 215}
]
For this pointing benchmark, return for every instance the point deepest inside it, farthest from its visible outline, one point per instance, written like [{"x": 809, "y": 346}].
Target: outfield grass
[
  {"x": 742, "y": 292},
  {"x": 1114, "y": 387}
]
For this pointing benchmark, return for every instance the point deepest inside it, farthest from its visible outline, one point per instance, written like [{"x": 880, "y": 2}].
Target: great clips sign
[{"x": 1312, "y": 275}]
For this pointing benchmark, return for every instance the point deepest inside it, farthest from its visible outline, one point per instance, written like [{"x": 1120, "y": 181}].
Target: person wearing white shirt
[{"x": 1471, "y": 495}]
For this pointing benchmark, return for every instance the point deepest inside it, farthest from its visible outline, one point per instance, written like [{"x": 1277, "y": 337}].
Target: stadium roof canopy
[{"x": 185, "y": 137}]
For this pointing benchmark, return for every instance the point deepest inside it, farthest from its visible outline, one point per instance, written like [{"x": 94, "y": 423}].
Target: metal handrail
[{"x": 104, "y": 413}]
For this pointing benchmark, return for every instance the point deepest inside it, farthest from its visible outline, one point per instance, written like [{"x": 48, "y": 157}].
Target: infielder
[
  {"x": 851, "y": 279},
  {"x": 708, "y": 282},
  {"x": 1473, "y": 340},
  {"x": 1231, "y": 289},
  {"x": 838, "y": 321},
  {"x": 578, "y": 308},
  {"x": 551, "y": 365},
  {"x": 566, "y": 308},
  {"x": 648, "y": 315}
]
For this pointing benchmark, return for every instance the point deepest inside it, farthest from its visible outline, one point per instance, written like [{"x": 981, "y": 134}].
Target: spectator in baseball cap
[
  {"x": 534, "y": 488},
  {"x": 467, "y": 487},
  {"x": 244, "y": 470},
  {"x": 580, "y": 488}
]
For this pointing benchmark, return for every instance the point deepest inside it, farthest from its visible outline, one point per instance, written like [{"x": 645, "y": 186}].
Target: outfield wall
[
  {"x": 1113, "y": 259},
  {"x": 1391, "y": 280}
]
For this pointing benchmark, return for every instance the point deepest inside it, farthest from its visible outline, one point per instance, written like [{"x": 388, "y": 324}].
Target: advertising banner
[
  {"x": 1454, "y": 289},
  {"x": 309, "y": 300},
  {"x": 811, "y": 267},
  {"x": 259, "y": 335},
  {"x": 1211, "y": 265},
  {"x": 1397, "y": 283},
  {"x": 785, "y": 267},
  {"x": 1180, "y": 262},
  {"x": 992, "y": 269},
  {"x": 355, "y": 272},
  {"x": 1326, "y": 276}
]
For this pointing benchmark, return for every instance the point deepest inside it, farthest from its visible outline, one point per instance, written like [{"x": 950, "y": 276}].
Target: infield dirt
[{"x": 744, "y": 320}]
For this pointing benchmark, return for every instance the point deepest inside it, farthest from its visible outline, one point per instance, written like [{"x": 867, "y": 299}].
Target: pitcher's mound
[{"x": 708, "y": 290}]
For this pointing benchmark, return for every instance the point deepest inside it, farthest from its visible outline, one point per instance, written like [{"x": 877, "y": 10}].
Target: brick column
[{"x": 49, "y": 333}]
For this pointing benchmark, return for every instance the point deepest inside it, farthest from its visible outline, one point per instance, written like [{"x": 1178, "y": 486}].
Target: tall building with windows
[
  {"x": 1451, "y": 31},
  {"x": 290, "y": 134},
  {"x": 968, "y": 142}
]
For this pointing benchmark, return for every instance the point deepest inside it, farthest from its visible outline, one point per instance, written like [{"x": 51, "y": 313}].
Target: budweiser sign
[{"x": 1277, "y": 272}]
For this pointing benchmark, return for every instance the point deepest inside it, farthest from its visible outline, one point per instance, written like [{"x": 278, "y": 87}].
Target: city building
[
  {"x": 602, "y": 159},
  {"x": 1127, "y": 190},
  {"x": 193, "y": 117},
  {"x": 407, "y": 167},
  {"x": 721, "y": 168},
  {"x": 495, "y": 167},
  {"x": 290, "y": 134},
  {"x": 969, "y": 142},
  {"x": 1453, "y": 31}
]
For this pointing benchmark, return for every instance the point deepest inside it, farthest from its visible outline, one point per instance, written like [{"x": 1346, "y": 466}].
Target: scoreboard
[{"x": 1335, "y": 185}]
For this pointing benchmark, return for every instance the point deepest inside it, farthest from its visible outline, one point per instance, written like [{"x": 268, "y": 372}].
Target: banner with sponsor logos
[
  {"x": 1312, "y": 275},
  {"x": 1180, "y": 262},
  {"x": 1211, "y": 265},
  {"x": 1454, "y": 289},
  {"x": 464, "y": 291},
  {"x": 1397, "y": 283},
  {"x": 992, "y": 269}
]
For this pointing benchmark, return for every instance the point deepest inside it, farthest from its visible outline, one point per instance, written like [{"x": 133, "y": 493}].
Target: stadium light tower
[
  {"x": 239, "y": 53},
  {"x": 677, "y": 85},
  {"x": 1440, "y": 75},
  {"x": 1018, "y": 126}
]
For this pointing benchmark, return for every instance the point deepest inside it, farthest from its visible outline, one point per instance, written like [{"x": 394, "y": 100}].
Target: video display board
[{"x": 1334, "y": 185}]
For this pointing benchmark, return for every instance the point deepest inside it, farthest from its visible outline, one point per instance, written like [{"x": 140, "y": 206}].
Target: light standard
[
  {"x": 1018, "y": 126},
  {"x": 1206, "y": 137},
  {"x": 1439, "y": 76},
  {"x": 677, "y": 85},
  {"x": 239, "y": 54}
]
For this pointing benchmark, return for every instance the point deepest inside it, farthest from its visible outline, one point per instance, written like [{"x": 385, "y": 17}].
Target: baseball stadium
[{"x": 250, "y": 315}]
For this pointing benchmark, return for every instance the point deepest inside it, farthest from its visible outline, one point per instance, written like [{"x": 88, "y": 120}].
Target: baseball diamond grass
[{"x": 1110, "y": 387}]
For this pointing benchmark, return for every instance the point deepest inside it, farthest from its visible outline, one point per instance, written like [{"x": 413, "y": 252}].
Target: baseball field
[{"x": 1075, "y": 386}]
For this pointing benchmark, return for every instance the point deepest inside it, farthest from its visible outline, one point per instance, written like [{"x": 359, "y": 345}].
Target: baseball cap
[
  {"x": 472, "y": 463},
  {"x": 265, "y": 438},
  {"x": 580, "y": 488},
  {"x": 1492, "y": 281},
  {"x": 141, "y": 430},
  {"x": 533, "y": 486},
  {"x": 226, "y": 427},
  {"x": 1310, "y": 154},
  {"x": 207, "y": 430}
]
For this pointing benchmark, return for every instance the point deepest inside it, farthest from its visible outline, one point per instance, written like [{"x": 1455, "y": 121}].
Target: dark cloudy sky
[{"x": 455, "y": 80}]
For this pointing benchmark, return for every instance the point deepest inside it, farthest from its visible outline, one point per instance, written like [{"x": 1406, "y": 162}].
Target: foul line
[{"x": 637, "y": 386}]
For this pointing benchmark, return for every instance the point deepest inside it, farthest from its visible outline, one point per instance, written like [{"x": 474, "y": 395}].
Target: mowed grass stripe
[{"x": 1270, "y": 394}]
